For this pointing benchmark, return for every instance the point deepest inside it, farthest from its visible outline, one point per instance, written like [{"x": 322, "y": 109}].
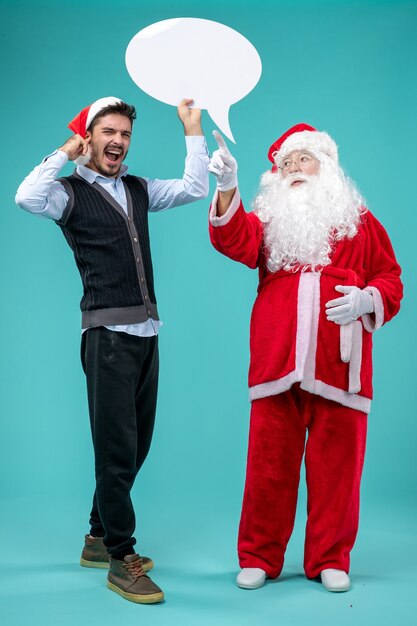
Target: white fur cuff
[
  {"x": 368, "y": 322},
  {"x": 215, "y": 220}
]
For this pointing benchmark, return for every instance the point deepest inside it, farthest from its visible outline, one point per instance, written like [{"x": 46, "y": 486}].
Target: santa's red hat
[
  {"x": 82, "y": 121},
  {"x": 301, "y": 137}
]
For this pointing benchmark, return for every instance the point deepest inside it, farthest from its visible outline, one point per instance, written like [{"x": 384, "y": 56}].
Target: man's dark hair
[{"x": 121, "y": 108}]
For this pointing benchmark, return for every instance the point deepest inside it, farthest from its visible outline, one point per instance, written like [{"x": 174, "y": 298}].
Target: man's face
[
  {"x": 109, "y": 143},
  {"x": 299, "y": 162}
]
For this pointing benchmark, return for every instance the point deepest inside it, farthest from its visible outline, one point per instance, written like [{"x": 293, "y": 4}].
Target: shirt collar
[{"x": 91, "y": 176}]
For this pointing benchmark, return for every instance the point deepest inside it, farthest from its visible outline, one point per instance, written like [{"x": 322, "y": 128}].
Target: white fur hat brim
[
  {"x": 306, "y": 140},
  {"x": 98, "y": 106}
]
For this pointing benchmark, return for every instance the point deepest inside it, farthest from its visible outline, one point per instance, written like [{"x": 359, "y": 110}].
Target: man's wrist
[
  {"x": 192, "y": 130},
  {"x": 63, "y": 150}
]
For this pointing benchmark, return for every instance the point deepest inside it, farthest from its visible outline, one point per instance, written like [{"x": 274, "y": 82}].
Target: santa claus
[{"x": 328, "y": 278}]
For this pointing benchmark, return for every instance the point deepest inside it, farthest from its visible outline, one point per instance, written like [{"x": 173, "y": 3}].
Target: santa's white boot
[
  {"x": 335, "y": 580},
  {"x": 251, "y": 578}
]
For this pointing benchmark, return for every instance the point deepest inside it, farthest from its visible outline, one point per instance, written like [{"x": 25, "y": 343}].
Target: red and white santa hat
[
  {"x": 301, "y": 137},
  {"x": 82, "y": 121}
]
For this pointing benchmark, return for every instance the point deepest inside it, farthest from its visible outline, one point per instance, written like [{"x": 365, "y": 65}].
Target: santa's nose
[{"x": 294, "y": 167}]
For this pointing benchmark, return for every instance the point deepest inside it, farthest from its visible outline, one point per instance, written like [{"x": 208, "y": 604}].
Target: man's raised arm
[
  {"x": 40, "y": 193},
  {"x": 166, "y": 194}
]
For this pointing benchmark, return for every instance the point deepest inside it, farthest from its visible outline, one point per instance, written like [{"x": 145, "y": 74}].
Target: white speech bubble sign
[{"x": 194, "y": 58}]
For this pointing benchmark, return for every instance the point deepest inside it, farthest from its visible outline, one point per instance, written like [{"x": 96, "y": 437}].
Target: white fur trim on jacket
[
  {"x": 305, "y": 354},
  {"x": 215, "y": 220},
  {"x": 352, "y": 400}
]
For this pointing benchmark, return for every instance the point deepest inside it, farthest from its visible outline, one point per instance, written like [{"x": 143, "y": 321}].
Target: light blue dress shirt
[{"x": 41, "y": 194}]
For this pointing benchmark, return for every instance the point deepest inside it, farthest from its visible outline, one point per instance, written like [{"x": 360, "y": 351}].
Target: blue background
[{"x": 345, "y": 67}]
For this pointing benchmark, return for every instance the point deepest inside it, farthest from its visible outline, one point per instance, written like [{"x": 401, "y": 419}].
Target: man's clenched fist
[{"x": 75, "y": 147}]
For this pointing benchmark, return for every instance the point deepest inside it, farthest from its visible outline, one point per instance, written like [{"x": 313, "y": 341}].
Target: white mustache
[{"x": 292, "y": 177}]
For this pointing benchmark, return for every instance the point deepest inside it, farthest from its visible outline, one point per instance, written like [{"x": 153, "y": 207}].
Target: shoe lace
[{"x": 135, "y": 569}]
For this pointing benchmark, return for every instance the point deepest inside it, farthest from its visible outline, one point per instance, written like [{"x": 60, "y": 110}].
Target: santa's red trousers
[{"x": 334, "y": 456}]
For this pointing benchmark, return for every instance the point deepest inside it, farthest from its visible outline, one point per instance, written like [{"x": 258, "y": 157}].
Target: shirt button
[
  {"x": 138, "y": 260},
  {"x": 142, "y": 279},
  {"x": 149, "y": 312},
  {"x": 146, "y": 297},
  {"x": 135, "y": 239}
]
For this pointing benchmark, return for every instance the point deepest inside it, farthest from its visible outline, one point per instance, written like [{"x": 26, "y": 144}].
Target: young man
[
  {"x": 312, "y": 239},
  {"x": 103, "y": 213}
]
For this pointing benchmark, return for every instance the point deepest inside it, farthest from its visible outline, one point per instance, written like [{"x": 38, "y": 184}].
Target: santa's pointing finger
[{"x": 223, "y": 165}]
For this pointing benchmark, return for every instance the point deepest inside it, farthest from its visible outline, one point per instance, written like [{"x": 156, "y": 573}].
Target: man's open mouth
[{"x": 113, "y": 156}]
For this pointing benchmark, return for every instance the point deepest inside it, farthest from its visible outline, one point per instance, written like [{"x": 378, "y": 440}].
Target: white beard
[{"x": 303, "y": 223}]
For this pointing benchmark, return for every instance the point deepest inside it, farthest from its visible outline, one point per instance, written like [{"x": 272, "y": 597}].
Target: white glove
[
  {"x": 223, "y": 165},
  {"x": 348, "y": 308}
]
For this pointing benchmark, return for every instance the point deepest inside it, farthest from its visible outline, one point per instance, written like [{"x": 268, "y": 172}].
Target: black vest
[{"x": 112, "y": 251}]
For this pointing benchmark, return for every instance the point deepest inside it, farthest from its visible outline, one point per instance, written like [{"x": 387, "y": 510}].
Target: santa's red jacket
[{"x": 291, "y": 339}]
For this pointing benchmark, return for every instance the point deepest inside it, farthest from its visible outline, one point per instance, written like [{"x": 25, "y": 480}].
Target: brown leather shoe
[
  {"x": 128, "y": 579},
  {"x": 95, "y": 554}
]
